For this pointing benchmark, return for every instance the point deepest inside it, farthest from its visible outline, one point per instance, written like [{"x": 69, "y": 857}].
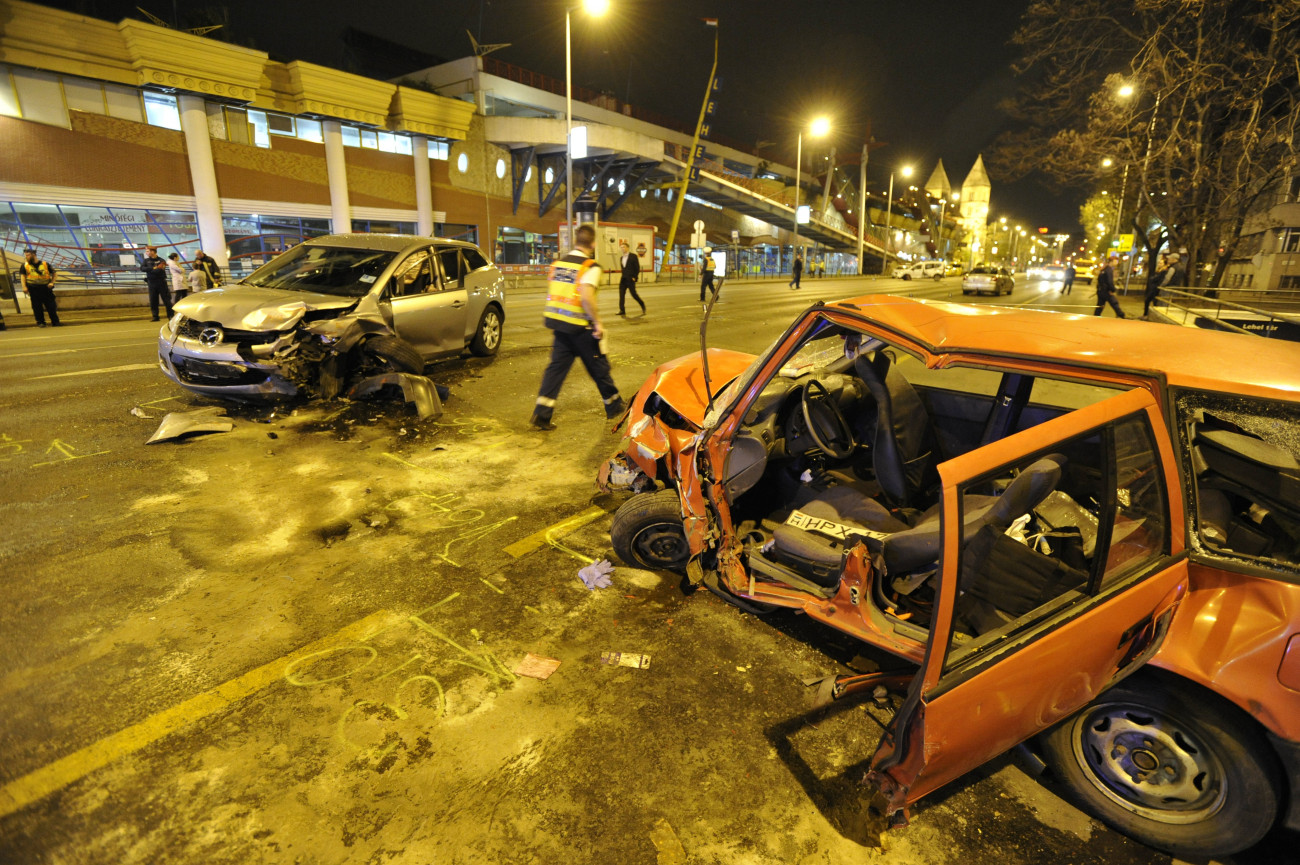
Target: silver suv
[{"x": 335, "y": 309}]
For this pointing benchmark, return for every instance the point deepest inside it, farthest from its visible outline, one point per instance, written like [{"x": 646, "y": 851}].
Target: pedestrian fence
[{"x": 1208, "y": 308}]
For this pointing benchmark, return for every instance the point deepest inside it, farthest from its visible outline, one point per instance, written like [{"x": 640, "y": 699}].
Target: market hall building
[{"x": 119, "y": 135}]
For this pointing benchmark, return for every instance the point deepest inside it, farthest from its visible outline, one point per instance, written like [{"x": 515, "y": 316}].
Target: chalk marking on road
[
  {"x": 398, "y": 459},
  {"x": 547, "y": 536},
  {"x": 164, "y": 399},
  {"x": 128, "y": 368},
  {"x": 21, "y": 792},
  {"x": 447, "y": 600},
  {"x": 490, "y": 586}
]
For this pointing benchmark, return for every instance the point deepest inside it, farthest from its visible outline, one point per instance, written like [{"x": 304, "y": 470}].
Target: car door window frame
[{"x": 406, "y": 265}]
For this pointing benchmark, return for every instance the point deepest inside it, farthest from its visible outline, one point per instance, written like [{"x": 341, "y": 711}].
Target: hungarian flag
[{"x": 710, "y": 22}]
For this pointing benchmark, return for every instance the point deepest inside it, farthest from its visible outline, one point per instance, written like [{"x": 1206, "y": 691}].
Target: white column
[
  {"x": 336, "y": 169},
  {"x": 203, "y": 177},
  {"x": 423, "y": 189}
]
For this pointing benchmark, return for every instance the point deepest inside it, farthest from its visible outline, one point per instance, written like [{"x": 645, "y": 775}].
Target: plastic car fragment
[
  {"x": 417, "y": 389},
  {"x": 179, "y": 424}
]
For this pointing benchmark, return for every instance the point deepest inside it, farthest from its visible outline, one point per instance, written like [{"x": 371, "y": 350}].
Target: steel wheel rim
[
  {"x": 1149, "y": 764},
  {"x": 662, "y": 545},
  {"x": 491, "y": 330}
]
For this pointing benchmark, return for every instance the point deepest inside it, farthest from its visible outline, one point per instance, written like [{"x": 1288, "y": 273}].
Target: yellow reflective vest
[{"x": 563, "y": 302}]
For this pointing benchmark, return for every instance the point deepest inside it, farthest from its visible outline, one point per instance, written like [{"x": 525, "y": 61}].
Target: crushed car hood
[
  {"x": 680, "y": 382},
  {"x": 247, "y": 307}
]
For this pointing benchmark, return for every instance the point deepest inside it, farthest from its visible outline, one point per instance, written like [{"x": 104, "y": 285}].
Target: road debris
[
  {"x": 625, "y": 659},
  {"x": 536, "y": 666},
  {"x": 139, "y": 412},
  {"x": 668, "y": 845},
  {"x": 417, "y": 389},
  {"x": 596, "y": 575},
  {"x": 179, "y": 424}
]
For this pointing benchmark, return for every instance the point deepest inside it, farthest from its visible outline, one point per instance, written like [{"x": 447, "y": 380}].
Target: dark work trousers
[
  {"x": 158, "y": 291},
  {"x": 707, "y": 282},
  {"x": 42, "y": 302},
  {"x": 1103, "y": 299},
  {"x": 1152, "y": 292},
  {"x": 624, "y": 286},
  {"x": 568, "y": 345},
  {"x": 794, "y": 283},
  {"x": 1067, "y": 285}
]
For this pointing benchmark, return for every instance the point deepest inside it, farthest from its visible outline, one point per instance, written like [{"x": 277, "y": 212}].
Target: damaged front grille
[
  {"x": 216, "y": 372},
  {"x": 194, "y": 329}
]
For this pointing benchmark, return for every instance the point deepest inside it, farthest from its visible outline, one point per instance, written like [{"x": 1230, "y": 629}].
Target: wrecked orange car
[{"x": 1081, "y": 530}]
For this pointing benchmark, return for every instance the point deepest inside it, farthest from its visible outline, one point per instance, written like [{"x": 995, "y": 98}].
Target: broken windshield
[{"x": 323, "y": 269}]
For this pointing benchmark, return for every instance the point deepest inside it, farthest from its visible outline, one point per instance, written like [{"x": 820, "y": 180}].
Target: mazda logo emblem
[{"x": 210, "y": 335}]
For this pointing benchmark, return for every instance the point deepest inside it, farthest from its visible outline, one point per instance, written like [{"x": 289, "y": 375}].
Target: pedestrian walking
[
  {"x": 796, "y": 271},
  {"x": 1069, "y": 278},
  {"x": 629, "y": 272},
  {"x": 706, "y": 273},
  {"x": 1106, "y": 288},
  {"x": 1173, "y": 275},
  {"x": 211, "y": 269},
  {"x": 177, "y": 276},
  {"x": 1155, "y": 279},
  {"x": 155, "y": 276},
  {"x": 197, "y": 278},
  {"x": 574, "y": 319},
  {"x": 38, "y": 280}
]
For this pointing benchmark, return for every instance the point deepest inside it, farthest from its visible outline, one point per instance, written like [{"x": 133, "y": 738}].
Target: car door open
[
  {"x": 1032, "y": 623},
  {"x": 429, "y": 310}
]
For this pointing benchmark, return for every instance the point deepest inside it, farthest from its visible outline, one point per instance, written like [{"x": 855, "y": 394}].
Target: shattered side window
[
  {"x": 1242, "y": 458},
  {"x": 324, "y": 270}
]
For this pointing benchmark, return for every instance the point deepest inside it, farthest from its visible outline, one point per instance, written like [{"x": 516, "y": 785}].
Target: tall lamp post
[
  {"x": 906, "y": 171},
  {"x": 594, "y": 8},
  {"x": 943, "y": 205},
  {"x": 817, "y": 129}
]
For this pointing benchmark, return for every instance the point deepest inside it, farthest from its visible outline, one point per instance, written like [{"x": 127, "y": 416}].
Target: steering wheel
[{"x": 818, "y": 409}]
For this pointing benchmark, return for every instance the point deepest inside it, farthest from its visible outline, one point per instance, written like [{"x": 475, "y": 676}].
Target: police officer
[
  {"x": 38, "y": 281},
  {"x": 574, "y": 320},
  {"x": 706, "y": 271},
  {"x": 155, "y": 275}
]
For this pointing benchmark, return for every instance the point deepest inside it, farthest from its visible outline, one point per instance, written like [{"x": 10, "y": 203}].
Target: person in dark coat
[
  {"x": 629, "y": 272},
  {"x": 1106, "y": 288},
  {"x": 796, "y": 271},
  {"x": 210, "y": 268},
  {"x": 155, "y": 276},
  {"x": 1069, "y": 278},
  {"x": 1155, "y": 278}
]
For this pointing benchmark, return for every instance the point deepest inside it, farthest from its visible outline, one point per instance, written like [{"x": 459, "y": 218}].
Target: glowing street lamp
[
  {"x": 906, "y": 171},
  {"x": 817, "y": 129},
  {"x": 594, "y": 8}
]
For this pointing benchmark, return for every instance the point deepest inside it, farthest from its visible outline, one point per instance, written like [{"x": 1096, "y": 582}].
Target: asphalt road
[{"x": 294, "y": 642}]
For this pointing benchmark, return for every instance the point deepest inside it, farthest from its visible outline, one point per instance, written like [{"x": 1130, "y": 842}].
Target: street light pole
[
  {"x": 798, "y": 166},
  {"x": 862, "y": 208},
  {"x": 568, "y": 126},
  {"x": 889, "y": 223}
]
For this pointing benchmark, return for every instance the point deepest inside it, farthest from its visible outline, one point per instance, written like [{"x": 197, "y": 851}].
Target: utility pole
[
  {"x": 690, "y": 157},
  {"x": 862, "y": 206}
]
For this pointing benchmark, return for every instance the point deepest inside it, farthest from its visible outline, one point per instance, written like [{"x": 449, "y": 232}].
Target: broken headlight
[{"x": 174, "y": 324}]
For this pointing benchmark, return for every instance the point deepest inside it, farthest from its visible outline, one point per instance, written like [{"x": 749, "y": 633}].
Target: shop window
[
  {"x": 40, "y": 97},
  {"x": 160, "y": 110},
  {"x": 237, "y": 127},
  {"x": 351, "y": 136},
  {"x": 8, "y": 98},
  {"x": 281, "y": 124},
  {"x": 369, "y": 139},
  {"x": 439, "y": 150},
  {"x": 259, "y": 129},
  {"x": 310, "y": 130},
  {"x": 83, "y": 95},
  {"x": 216, "y": 120},
  {"x": 123, "y": 102}
]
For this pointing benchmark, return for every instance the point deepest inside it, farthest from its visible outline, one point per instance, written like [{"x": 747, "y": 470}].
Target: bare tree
[{"x": 1199, "y": 100}]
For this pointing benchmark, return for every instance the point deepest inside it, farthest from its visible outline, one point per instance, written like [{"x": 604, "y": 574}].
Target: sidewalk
[{"x": 14, "y": 320}]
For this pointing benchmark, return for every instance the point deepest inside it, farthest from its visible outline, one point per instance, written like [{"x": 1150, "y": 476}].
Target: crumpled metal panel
[
  {"x": 247, "y": 307},
  {"x": 417, "y": 389},
  {"x": 185, "y": 423}
]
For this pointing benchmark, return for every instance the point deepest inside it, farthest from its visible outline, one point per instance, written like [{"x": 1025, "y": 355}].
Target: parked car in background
[
  {"x": 920, "y": 270},
  {"x": 332, "y": 309},
  {"x": 1085, "y": 270},
  {"x": 1075, "y": 529},
  {"x": 954, "y": 269},
  {"x": 988, "y": 279}
]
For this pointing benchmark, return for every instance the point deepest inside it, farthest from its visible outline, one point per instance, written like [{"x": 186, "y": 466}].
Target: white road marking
[
  {"x": 127, "y": 368},
  {"x": 74, "y": 350}
]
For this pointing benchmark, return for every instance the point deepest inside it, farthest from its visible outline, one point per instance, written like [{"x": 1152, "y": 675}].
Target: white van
[{"x": 919, "y": 270}]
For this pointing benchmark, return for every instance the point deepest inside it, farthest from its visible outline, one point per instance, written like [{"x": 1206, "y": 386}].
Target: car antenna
[{"x": 704, "y": 343}]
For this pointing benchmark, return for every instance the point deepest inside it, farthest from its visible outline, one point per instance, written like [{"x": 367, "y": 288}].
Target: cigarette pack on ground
[{"x": 625, "y": 659}]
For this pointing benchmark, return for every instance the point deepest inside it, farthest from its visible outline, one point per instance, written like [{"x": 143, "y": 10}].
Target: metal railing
[{"x": 1190, "y": 306}]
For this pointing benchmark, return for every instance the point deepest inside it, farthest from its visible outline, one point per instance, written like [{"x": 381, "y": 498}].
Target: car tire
[
  {"x": 647, "y": 532},
  {"x": 965, "y": 291},
  {"x": 907, "y": 277},
  {"x": 393, "y": 354},
  {"x": 487, "y": 338},
  {"x": 1225, "y": 789}
]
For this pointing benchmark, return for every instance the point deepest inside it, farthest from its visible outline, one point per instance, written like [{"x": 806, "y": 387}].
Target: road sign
[
  {"x": 695, "y": 174},
  {"x": 699, "y": 225},
  {"x": 802, "y": 215},
  {"x": 697, "y": 239},
  {"x": 735, "y": 236}
]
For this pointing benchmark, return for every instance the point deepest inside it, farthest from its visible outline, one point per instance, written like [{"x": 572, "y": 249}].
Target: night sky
[{"x": 926, "y": 76}]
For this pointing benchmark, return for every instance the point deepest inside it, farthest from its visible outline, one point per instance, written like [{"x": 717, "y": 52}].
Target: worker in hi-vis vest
[{"x": 574, "y": 319}]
